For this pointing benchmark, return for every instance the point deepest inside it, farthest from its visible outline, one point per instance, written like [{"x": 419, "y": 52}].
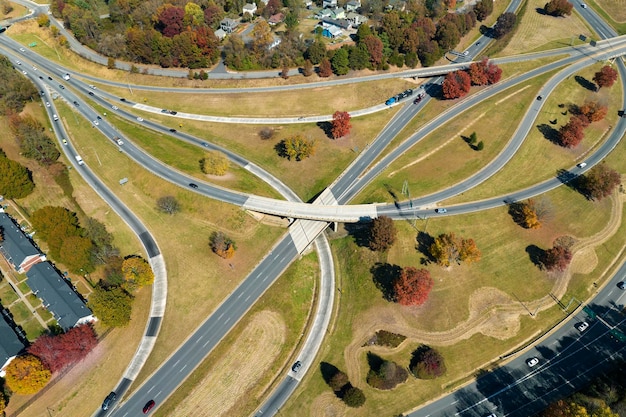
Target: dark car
[
  {"x": 621, "y": 285},
  {"x": 173, "y": 112},
  {"x": 539, "y": 98},
  {"x": 61, "y": 87},
  {"x": 50, "y": 78},
  {"x": 122, "y": 99},
  {"x": 192, "y": 185},
  {"x": 76, "y": 103},
  {"x": 173, "y": 130},
  {"x": 90, "y": 93},
  {"x": 109, "y": 400},
  {"x": 296, "y": 366},
  {"x": 149, "y": 406}
]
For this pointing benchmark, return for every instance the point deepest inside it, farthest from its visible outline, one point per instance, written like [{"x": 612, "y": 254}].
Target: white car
[
  {"x": 582, "y": 165},
  {"x": 18, "y": 62},
  {"x": 64, "y": 142},
  {"x": 95, "y": 122},
  {"x": 93, "y": 87},
  {"x": 114, "y": 107},
  {"x": 34, "y": 68},
  {"x": 47, "y": 104},
  {"x": 532, "y": 362},
  {"x": 139, "y": 119},
  {"x": 582, "y": 326},
  {"x": 583, "y": 5},
  {"x": 120, "y": 141},
  {"x": 24, "y": 72}
]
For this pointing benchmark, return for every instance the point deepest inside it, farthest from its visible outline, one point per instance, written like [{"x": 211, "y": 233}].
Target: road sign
[{"x": 589, "y": 312}]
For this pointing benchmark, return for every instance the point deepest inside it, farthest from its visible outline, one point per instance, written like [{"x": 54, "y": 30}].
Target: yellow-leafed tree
[
  {"x": 27, "y": 375},
  {"x": 137, "y": 271}
]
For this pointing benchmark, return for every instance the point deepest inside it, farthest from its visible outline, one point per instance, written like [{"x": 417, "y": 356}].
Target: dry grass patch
[
  {"x": 256, "y": 347},
  {"x": 539, "y": 31},
  {"x": 614, "y": 8}
]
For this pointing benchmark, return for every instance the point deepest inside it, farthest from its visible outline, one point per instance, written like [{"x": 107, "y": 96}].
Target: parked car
[
  {"x": 582, "y": 326},
  {"x": 296, "y": 366},
  {"x": 149, "y": 406},
  {"x": 532, "y": 362}
]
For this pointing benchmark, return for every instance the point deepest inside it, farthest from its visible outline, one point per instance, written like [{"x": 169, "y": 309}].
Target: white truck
[{"x": 79, "y": 160}]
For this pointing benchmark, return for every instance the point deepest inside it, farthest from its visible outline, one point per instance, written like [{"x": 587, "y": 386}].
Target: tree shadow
[
  {"x": 585, "y": 83},
  {"x": 328, "y": 371},
  {"x": 541, "y": 11},
  {"x": 384, "y": 275},
  {"x": 536, "y": 255},
  {"x": 434, "y": 90},
  {"x": 549, "y": 132},
  {"x": 281, "y": 150},
  {"x": 424, "y": 242},
  {"x": 573, "y": 181},
  {"x": 327, "y": 128},
  {"x": 517, "y": 214},
  {"x": 374, "y": 361},
  {"x": 417, "y": 354},
  {"x": 360, "y": 232}
]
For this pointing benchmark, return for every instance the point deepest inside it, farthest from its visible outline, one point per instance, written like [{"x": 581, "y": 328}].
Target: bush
[
  {"x": 427, "y": 363},
  {"x": 222, "y": 245},
  {"x": 214, "y": 163},
  {"x": 385, "y": 375},
  {"x": 353, "y": 397},
  {"x": 385, "y": 338}
]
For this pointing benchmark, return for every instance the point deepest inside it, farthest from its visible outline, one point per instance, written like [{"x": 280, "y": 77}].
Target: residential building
[
  {"x": 331, "y": 31},
  {"x": 220, "y": 34},
  {"x": 56, "y": 294},
  {"x": 329, "y": 4},
  {"x": 353, "y": 5},
  {"x": 249, "y": 8},
  {"x": 276, "y": 19},
  {"x": 228, "y": 25},
  {"x": 10, "y": 343},
  {"x": 324, "y": 14},
  {"x": 338, "y": 13},
  {"x": 16, "y": 246},
  {"x": 340, "y": 23},
  {"x": 356, "y": 19}
]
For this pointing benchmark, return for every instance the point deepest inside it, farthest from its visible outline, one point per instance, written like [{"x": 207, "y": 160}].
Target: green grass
[
  {"x": 23, "y": 286},
  {"x": 7, "y": 295},
  {"x": 598, "y": 7}
]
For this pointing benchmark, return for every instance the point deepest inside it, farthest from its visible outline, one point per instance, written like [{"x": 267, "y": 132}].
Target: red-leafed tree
[
  {"x": 427, "y": 363},
  {"x": 600, "y": 181},
  {"x": 494, "y": 73},
  {"x": 484, "y": 72},
  {"x": 456, "y": 84},
  {"x": 558, "y": 8},
  {"x": 170, "y": 20},
  {"x": 557, "y": 258},
  {"x": 606, "y": 77},
  {"x": 325, "y": 68},
  {"x": 375, "y": 48},
  {"x": 571, "y": 133},
  {"x": 341, "y": 124},
  {"x": 58, "y": 352},
  {"x": 413, "y": 286}
]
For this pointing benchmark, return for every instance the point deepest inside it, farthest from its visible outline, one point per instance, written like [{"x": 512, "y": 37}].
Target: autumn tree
[
  {"x": 558, "y": 8},
  {"x": 382, "y": 234},
  {"x": 112, "y": 305},
  {"x": 525, "y": 214},
  {"x": 447, "y": 248},
  {"x": 413, "y": 286},
  {"x": 483, "y": 8},
  {"x": 571, "y": 133},
  {"x": 606, "y": 77},
  {"x": 557, "y": 258},
  {"x": 341, "y": 124},
  {"x": 325, "y": 68},
  {"x": 15, "y": 179},
  {"x": 222, "y": 245},
  {"x": 170, "y": 20},
  {"x": 504, "y": 24},
  {"x": 214, "y": 163},
  {"x": 456, "y": 84},
  {"x": 599, "y": 182},
  {"x": 592, "y": 111},
  {"x": 75, "y": 253},
  {"x": 296, "y": 148},
  {"x": 427, "y": 363},
  {"x": 60, "y": 351},
  {"x": 385, "y": 374},
  {"x": 168, "y": 204},
  {"x": 484, "y": 72},
  {"x": 338, "y": 381},
  {"x": 261, "y": 36},
  {"x": 137, "y": 271},
  {"x": 27, "y": 375},
  {"x": 374, "y": 48},
  {"x": 308, "y": 69},
  {"x": 3, "y": 404}
]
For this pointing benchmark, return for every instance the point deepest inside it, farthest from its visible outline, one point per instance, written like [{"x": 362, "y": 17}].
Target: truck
[
  {"x": 79, "y": 160},
  {"x": 390, "y": 101}
]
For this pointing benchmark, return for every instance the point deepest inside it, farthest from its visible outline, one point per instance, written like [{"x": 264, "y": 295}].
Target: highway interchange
[{"x": 215, "y": 327}]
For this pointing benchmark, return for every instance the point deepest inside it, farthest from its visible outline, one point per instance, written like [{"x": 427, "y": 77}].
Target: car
[
  {"x": 50, "y": 78},
  {"x": 621, "y": 285},
  {"x": 34, "y": 68},
  {"x": 122, "y": 99},
  {"x": 40, "y": 77},
  {"x": 477, "y": 43},
  {"x": 119, "y": 141},
  {"x": 192, "y": 185},
  {"x": 22, "y": 50},
  {"x": 417, "y": 100},
  {"x": 66, "y": 77},
  {"x": 466, "y": 53},
  {"x": 76, "y": 104},
  {"x": 139, "y": 119},
  {"x": 47, "y": 104},
  {"x": 149, "y": 406},
  {"x": 93, "y": 87},
  {"x": 18, "y": 62},
  {"x": 61, "y": 87},
  {"x": 42, "y": 93},
  {"x": 114, "y": 107},
  {"x": 173, "y": 130},
  {"x": 173, "y": 112},
  {"x": 24, "y": 72},
  {"x": 90, "y": 93},
  {"x": 583, "y": 5},
  {"x": 492, "y": 415},
  {"x": 296, "y": 366},
  {"x": 165, "y": 111},
  {"x": 109, "y": 400},
  {"x": 582, "y": 326},
  {"x": 441, "y": 210},
  {"x": 64, "y": 142},
  {"x": 539, "y": 98},
  {"x": 95, "y": 122},
  {"x": 582, "y": 165},
  {"x": 532, "y": 361},
  {"x": 100, "y": 118},
  {"x": 206, "y": 145}
]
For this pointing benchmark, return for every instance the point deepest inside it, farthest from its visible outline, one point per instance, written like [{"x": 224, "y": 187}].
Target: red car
[{"x": 149, "y": 406}]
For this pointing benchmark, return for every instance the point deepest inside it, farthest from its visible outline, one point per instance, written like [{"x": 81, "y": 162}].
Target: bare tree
[{"x": 168, "y": 204}]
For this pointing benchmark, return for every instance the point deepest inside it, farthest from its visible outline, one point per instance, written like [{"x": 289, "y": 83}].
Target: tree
[
  {"x": 340, "y": 62},
  {"x": 557, "y": 258},
  {"x": 214, "y": 163},
  {"x": 308, "y": 69},
  {"x": 606, "y": 77},
  {"x": 3, "y": 404},
  {"x": 412, "y": 287},
  {"x": 427, "y": 363},
  {"x": 483, "y": 9},
  {"x": 338, "y": 381},
  {"x": 341, "y": 124},
  {"x": 112, "y": 305},
  {"x": 261, "y": 36},
  {"x": 296, "y": 147},
  {"x": 170, "y": 20},
  {"x": 374, "y": 48},
  {"x": 484, "y": 72},
  {"x": 571, "y": 133},
  {"x": 593, "y": 111},
  {"x": 60, "y": 351},
  {"x": 168, "y": 204},
  {"x": 504, "y": 24},
  {"x": 15, "y": 179},
  {"x": 382, "y": 234},
  {"x": 33, "y": 141},
  {"x": 266, "y": 133},
  {"x": 316, "y": 51},
  {"x": 102, "y": 241},
  {"x": 353, "y": 397},
  {"x": 448, "y": 248},
  {"x": 222, "y": 245},
  {"x": 525, "y": 214},
  {"x": 558, "y": 8},
  {"x": 456, "y": 84},
  {"x": 137, "y": 270},
  {"x": 48, "y": 218},
  {"x": 384, "y": 374},
  {"x": 284, "y": 74},
  {"x": 325, "y": 69},
  {"x": 27, "y": 375},
  {"x": 599, "y": 182},
  {"x": 75, "y": 253}
]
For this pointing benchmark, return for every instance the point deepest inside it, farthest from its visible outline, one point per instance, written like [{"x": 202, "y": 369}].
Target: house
[
  {"x": 228, "y": 25},
  {"x": 16, "y": 247},
  {"x": 356, "y": 19},
  {"x": 220, "y": 34},
  {"x": 249, "y": 8},
  {"x": 399, "y": 5},
  {"x": 61, "y": 300},
  {"x": 331, "y": 31},
  {"x": 276, "y": 19},
  {"x": 329, "y": 4},
  {"x": 324, "y": 14},
  {"x": 340, "y": 23},
  {"x": 10, "y": 343},
  {"x": 338, "y": 13},
  {"x": 353, "y": 5},
  {"x": 308, "y": 3}
]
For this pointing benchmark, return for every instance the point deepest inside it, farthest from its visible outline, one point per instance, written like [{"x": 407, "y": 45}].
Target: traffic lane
[
  {"x": 178, "y": 367},
  {"x": 279, "y": 397}
]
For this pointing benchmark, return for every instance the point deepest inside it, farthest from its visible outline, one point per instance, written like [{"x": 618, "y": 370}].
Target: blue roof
[
  {"x": 16, "y": 246},
  {"x": 10, "y": 344},
  {"x": 58, "y": 297}
]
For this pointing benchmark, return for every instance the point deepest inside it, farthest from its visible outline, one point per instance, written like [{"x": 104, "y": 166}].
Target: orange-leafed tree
[
  {"x": 606, "y": 77},
  {"x": 27, "y": 375},
  {"x": 468, "y": 251},
  {"x": 448, "y": 248},
  {"x": 325, "y": 69},
  {"x": 341, "y": 124},
  {"x": 571, "y": 133},
  {"x": 222, "y": 245},
  {"x": 456, "y": 84},
  {"x": 593, "y": 111},
  {"x": 413, "y": 286}
]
